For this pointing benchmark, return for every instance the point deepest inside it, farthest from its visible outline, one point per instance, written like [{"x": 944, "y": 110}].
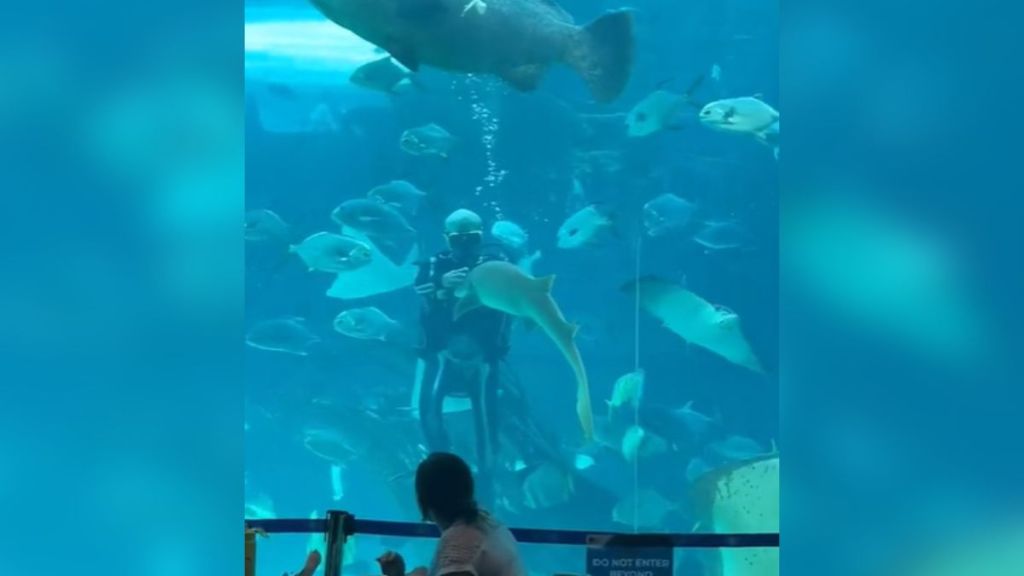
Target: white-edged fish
[
  {"x": 367, "y": 323},
  {"x": 696, "y": 423},
  {"x": 383, "y": 75},
  {"x": 696, "y": 320},
  {"x": 401, "y": 195},
  {"x": 380, "y": 276},
  {"x": 667, "y": 213},
  {"x": 265, "y": 226},
  {"x": 639, "y": 443},
  {"x": 332, "y": 253},
  {"x": 259, "y": 507},
  {"x": 510, "y": 234},
  {"x": 737, "y": 447},
  {"x": 427, "y": 140},
  {"x": 660, "y": 110},
  {"x": 547, "y": 487},
  {"x": 745, "y": 115},
  {"x": 645, "y": 509},
  {"x": 628, "y": 391},
  {"x": 583, "y": 228},
  {"x": 288, "y": 334},
  {"x": 723, "y": 235}
]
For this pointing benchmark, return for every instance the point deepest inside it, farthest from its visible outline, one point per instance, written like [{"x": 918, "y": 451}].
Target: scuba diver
[{"x": 460, "y": 358}]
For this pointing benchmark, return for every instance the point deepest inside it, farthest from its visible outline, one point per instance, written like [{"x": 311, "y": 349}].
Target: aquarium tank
[{"x": 540, "y": 235}]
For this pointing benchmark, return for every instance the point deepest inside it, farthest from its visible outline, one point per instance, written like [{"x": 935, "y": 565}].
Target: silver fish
[
  {"x": 384, "y": 75},
  {"x": 265, "y": 226},
  {"x": 666, "y": 213},
  {"x": 288, "y": 334},
  {"x": 365, "y": 324},
  {"x": 400, "y": 195},
  {"x": 332, "y": 253},
  {"x": 427, "y": 140}
]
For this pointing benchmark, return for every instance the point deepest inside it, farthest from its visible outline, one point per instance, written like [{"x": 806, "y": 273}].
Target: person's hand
[
  {"x": 455, "y": 278},
  {"x": 392, "y": 564},
  {"x": 312, "y": 563}
]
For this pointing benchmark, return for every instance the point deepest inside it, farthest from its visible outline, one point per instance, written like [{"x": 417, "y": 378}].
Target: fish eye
[
  {"x": 574, "y": 232},
  {"x": 641, "y": 117}
]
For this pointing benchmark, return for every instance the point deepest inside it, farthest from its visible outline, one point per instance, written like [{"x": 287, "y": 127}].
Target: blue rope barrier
[{"x": 527, "y": 535}]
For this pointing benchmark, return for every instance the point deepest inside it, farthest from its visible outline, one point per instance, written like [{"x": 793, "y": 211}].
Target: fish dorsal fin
[
  {"x": 468, "y": 303},
  {"x": 759, "y": 96},
  {"x": 688, "y": 406},
  {"x": 546, "y": 283}
]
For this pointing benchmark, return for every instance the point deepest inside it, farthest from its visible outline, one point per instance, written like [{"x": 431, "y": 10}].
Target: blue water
[{"x": 302, "y": 175}]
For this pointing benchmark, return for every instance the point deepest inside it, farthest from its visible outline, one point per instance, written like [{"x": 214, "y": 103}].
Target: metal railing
[{"x": 339, "y": 525}]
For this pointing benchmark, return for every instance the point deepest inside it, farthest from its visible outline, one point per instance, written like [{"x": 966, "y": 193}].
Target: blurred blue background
[{"x": 315, "y": 140}]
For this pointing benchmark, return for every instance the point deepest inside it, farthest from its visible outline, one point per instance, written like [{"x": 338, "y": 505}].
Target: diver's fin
[
  {"x": 603, "y": 54},
  {"x": 468, "y": 303},
  {"x": 524, "y": 78},
  {"x": 421, "y": 10},
  {"x": 405, "y": 56}
]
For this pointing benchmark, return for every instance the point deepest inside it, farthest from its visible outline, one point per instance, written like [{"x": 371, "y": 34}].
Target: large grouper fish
[{"x": 514, "y": 39}]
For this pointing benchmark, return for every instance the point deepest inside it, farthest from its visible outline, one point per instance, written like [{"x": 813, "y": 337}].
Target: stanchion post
[
  {"x": 340, "y": 525},
  {"x": 250, "y": 552}
]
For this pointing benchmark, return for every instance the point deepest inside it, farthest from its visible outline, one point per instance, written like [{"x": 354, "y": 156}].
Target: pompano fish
[
  {"x": 384, "y": 75},
  {"x": 287, "y": 334},
  {"x": 737, "y": 448},
  {"x": 380, "y": 276},
  {"x": 366, "y": 324},
  {"x": 696, "y": 423},
  {"x": 660, "y": 110},
  {"x": 400, "y": 195},
  {"x": 510, "y": 234},
  {"x": 645, "y": 508},
  {"x": 504, "y": 287},
  {"x": 698, "y": 321},
  {"x": 259, "y": 507},
  {"x": 516, "y": 40},
  {"x": 372, "y": 218},
  {"x": 333, "y": 253},
  {"x": 265, "y": 226},
  {"x": 547, "y": 487},
  {"x": 744, "y": 115},
  {"x": 666, "y": 213},
  {"x": 583, "y": 228},
  {"x": 639, "y": 443},
  {"x": 387, "y": 227},
  {"x": 427, "y": 140},
  {"x": 722, "y": 235},
  {"x": 628, "y": 390}
]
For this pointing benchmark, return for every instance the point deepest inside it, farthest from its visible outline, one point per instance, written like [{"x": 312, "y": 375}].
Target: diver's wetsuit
[{"x": 479, "y": 338}]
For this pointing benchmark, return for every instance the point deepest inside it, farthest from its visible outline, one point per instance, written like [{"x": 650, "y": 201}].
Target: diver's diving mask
[{"x": 464, "y": 242}]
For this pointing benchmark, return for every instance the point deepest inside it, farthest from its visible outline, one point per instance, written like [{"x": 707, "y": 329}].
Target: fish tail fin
[{"x": 603, "y": 55}]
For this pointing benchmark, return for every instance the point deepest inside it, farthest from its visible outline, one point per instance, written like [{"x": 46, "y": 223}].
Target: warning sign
[{"x": 633, "y": 555}]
